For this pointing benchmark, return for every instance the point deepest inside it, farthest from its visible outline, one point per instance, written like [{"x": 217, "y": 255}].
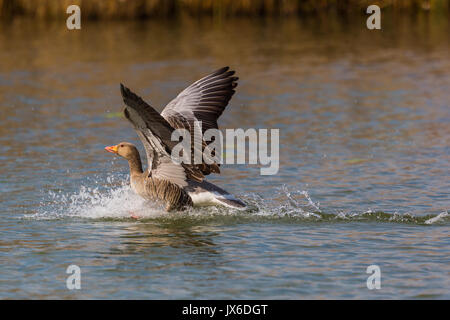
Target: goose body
[
  {"x": 173, "y": 196},
  {"x": 177, "y": 185},
  {"x": 176, "y": 198}
]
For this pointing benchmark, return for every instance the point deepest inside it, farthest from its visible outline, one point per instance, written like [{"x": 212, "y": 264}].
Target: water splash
[
  {"x": 440, "y": 217},
  {"x": 115, "y": 200}
]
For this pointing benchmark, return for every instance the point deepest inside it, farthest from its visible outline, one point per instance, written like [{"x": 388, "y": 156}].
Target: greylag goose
[{"x": 177, "y": 185}]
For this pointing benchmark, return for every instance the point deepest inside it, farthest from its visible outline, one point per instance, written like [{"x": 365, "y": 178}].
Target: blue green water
[{"x": 364, "y": 162}]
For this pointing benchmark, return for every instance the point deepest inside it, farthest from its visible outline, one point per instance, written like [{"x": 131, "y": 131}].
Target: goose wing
[
  {"x": 166, "y": 169},
  {"x": 204, "y": 100},
  {"x": 155, "y": 134}
]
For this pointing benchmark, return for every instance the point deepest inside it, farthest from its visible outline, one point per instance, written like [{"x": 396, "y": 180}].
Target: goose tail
[
  {"x": 230, "y": 201},
  {"x": 208, "y": 194}
]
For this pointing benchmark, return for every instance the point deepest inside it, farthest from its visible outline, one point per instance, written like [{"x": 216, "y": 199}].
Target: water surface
[{"x": 364, "y": 160}]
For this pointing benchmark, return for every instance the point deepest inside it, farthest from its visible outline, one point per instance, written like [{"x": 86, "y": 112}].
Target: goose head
[{"x": 125, "y": 150}]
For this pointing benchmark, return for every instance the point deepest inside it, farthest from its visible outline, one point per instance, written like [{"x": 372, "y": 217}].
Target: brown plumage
[
  {"x": 177, "y": 185},
  {"x": 147, "y": 186}
]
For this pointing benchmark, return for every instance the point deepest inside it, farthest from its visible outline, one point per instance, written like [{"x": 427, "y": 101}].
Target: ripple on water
[{"x": 116, "y": 201}]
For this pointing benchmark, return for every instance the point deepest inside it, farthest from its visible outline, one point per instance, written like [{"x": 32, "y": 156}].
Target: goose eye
[{"x": 121, "y": 145}]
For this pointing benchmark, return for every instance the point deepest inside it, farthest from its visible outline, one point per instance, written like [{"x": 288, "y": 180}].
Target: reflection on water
[{"x": 364, "y": 160}]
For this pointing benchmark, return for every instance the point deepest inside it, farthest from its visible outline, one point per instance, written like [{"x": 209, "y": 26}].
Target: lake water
[{"x": 364, "y": 160}]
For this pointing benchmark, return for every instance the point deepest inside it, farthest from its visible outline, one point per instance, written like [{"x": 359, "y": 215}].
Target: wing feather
[
  {"x": 204, "y": 100},
  {"x": 155, "y": 134},
  {"x": 170, "y": 171},
  {"x": 213, "y": 91}
]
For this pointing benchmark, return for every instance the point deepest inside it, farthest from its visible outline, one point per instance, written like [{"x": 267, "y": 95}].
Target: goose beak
[{"x": 112, "y": 149}]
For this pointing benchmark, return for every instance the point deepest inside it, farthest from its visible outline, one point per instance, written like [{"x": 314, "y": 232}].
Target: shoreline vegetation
[{"x": 142, "y": 9}]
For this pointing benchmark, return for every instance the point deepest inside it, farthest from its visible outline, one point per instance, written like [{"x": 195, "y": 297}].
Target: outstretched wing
[
  {"x": 204, "y": 100},
  {"x": 155, "y": 133}
]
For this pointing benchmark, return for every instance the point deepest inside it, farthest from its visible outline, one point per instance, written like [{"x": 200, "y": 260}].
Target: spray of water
[{"x": 116, "y": 200}]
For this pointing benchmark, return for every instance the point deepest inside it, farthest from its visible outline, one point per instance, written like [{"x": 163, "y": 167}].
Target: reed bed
[{"x": 131, "y": 9}]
